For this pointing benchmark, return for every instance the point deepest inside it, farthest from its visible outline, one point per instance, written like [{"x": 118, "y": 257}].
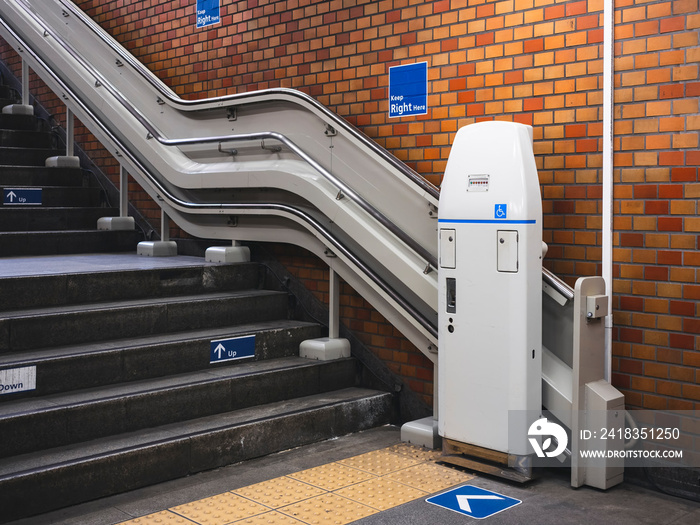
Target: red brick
[
  {"x": 670, "y": 224},
  {"x": 682, "y": 308},
  {"x": 632, "y": 303},
  {"x": 533, "y": 46},
  {"x": 671, "y": 191},
  {"x": 631, "y": 239},
  {"x": 656, "y": 273},
  {"x": 656, "y": 207},
  {"x": 667, "y": 25},
  {"x": 684, "y": 174}
]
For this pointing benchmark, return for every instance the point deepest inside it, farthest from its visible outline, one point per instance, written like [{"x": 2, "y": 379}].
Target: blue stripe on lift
[{"x": 487, "y": 221}]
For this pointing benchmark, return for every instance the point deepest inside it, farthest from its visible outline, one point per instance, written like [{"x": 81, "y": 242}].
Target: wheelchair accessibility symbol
[{"x": 500, "y": 211}]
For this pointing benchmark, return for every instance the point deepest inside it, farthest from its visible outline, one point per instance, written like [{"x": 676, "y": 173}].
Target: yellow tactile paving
[
  {"x": 333, "y": 494},
  {"x": 332, "y": 476},
  {"x": 220, "y": 510},
  {"x": 380, "y": 462},
  {"x": 270, "y": 518},
  {"x": 156, "y": 518},
  {"x": 381, "y": 493},
  {"x": 328, "y": 509},
  {"x": 279, "y": 492},
  {"x": 429, "y": 477},
  {"x": 414, "y": 452}
]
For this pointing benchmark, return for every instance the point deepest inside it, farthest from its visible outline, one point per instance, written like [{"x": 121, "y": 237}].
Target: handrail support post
[
  {"x": 25, "y": 83},
  {"x": 70, "y": 127},
  {"x": 123, "y": 192},
  {"x": 162, "y": 248},
  {"x": 333, "y": 304},
  {"x": 123, "y": 222},
  {"x": 333, "y": 346}
]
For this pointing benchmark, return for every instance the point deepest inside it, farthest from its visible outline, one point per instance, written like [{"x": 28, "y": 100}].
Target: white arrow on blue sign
[
  {"x": 474, "y": 501},
  {"x": 21, "y": 196},
  {"x": 229, "y": 349}
]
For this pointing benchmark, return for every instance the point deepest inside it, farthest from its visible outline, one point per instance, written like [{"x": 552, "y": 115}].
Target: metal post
[
  {"x": 25, "y": 83},
  {"x": 123, "y": 192},
  {"x": 334, "y": 305},
  {"x": 69, "y": 133},
  {"x": 608, "y": 167},
  {"x": 164, "y": 226}
]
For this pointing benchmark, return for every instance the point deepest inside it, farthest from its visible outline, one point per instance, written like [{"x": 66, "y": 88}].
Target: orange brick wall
[
  {"x": 533, "y": 61},
  {"x": 657, "y": 230}
]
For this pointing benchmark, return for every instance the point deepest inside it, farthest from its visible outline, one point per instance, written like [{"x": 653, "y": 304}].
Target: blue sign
[
  {"x": 408, "y": 90},
  {"x": 500, "y": 211},
  {"x": 208, "y": 12},
  {"x": 230, "y": 349},
  {"x": 21, "y": 196},
  {"x": 473, "y": 501}
]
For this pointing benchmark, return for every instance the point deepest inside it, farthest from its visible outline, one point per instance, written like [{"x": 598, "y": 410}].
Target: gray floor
[{"x": 546, "y": 500}]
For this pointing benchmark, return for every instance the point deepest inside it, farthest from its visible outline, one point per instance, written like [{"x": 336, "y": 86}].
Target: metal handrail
[
  {"x": 261, "y": 207},
  {"x": 154, "y": 133},
  {"x": 240, "y": 98},
  {"x": 556, "y": 283}
]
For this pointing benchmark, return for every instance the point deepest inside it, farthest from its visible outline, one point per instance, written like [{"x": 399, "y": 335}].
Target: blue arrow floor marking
[{"x": 474, "y": 501}]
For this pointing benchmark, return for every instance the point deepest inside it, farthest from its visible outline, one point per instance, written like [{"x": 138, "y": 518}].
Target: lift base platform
[{"x": 491, "y": 462}]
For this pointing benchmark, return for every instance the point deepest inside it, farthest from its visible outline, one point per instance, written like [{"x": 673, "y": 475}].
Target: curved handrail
[
  {"x": 261, "y": 207},
  {"x": 242, "y": 98},
  {"x": 556, "y": 283},
  {"x": 153, "y": 132}
]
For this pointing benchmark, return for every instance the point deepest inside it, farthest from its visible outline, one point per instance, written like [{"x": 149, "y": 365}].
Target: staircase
[{"x": 120, "y": 348}]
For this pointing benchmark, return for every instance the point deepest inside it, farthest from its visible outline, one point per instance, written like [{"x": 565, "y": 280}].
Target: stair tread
[
  {"x": 134, "y": 303},
  {"x": 62, "y": 401},
  {"x": 28, "y": 464},
  {"x": 34, "y": 357}
]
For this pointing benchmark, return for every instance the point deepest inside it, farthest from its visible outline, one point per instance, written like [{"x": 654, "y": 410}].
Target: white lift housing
[{"x": 490, "y": 296}]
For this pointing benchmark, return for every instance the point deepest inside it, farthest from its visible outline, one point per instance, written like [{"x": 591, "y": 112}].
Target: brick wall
[
  {"x": 533, "y": 61},
  {"x": 656, "y": 188}
]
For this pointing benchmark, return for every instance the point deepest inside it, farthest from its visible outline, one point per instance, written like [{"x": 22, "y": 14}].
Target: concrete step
[
  {"x": 52, "y": 421},
  {"x": 27, "y": 156},
  {"x": 92, "y": 365},
  {"x": 74, "y": 324},
  {"x": 40, "y": 482},
  {"x": 27, "y": 139},
  {"x": 34, "y": 176},
  {"x": 13, "y": 244},
  {"x": 27, "y": 219},
  {"x": 108, "y": 284}
]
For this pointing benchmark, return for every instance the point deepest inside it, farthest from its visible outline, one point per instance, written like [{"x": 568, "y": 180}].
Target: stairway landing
[{"x": 98, "y": 262}]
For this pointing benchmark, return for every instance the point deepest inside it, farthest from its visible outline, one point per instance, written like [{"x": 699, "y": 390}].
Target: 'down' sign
[{"x": 408, "y": 90}]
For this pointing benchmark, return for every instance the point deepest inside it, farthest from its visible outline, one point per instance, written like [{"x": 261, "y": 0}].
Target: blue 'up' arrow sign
[
  {"x": 21, "y": 196},
  {"x": 230, "y": 349},
  {"x": 474, "y": 501}
]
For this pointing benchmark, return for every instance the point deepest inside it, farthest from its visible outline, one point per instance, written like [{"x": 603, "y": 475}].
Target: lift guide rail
[{"x": 490, "y": 318}]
